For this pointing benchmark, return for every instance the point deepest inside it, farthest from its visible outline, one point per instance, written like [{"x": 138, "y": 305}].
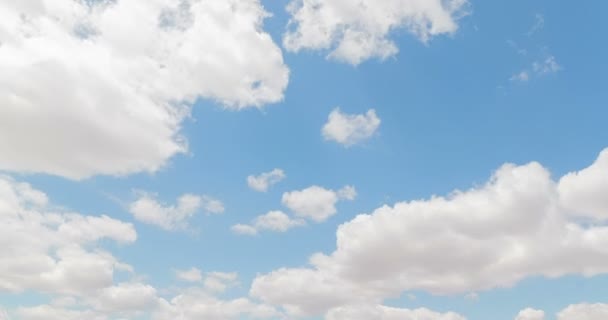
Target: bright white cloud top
[
  {"x": 350, "y": 129},
  {"x": 272, "y": 221},
  {"x": 316, "y": 203},
  {"x": 149, "y": 210},
  {"x": 101, "y": 100},
  {"x": 354, "y": 31},
  {"x": 265, "y": 180},
  {"x": 530, "y": 314},
  {"x": 101, "y": 87},
  {"x": 495, "y": 235}
]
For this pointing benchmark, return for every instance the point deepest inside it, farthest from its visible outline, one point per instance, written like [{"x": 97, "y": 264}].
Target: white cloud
[
  {"x": 265, "y": 180},
  {"x": 584, "y": 192},
  {"x": 218, "y": 282},
  {"x": 125, "y": 298},
  {"x": 48, "y": 312},
  {"x": 353, "y": 32},
  {"x": 108, "y": 83},
  {"x": 316, "y": 203},
  {"x": 539, "y": 68},
  {"x": 379, "y": 312},
  {"x": 530, "y": 314},
  {"x": 3, "y": 314},
  {"x": 490, "y": 236},
  {"x": 539, "y": 24},
  {"x": 191, "y": 275},
  {"x": 347, "y": 193},
  {"x": 149, "y": 210},
  {"x": 49, "y": 250},
  {"x": 244, "y": 229},
  {"x": 548, "y": 65},
  {"x": 196, "y": 304},
  {"x": 523, "y": 76},
  {"x": 350, "y": 129},
  {"x": 584, "y": 311},
  {"x": 273, "y": 221}
]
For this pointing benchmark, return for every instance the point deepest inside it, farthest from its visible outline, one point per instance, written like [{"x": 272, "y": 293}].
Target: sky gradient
[{"x": 303, "y": 159}]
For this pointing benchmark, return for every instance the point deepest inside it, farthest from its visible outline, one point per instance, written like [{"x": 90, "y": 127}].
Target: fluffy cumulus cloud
[
  {"x": 276, "y": 221},
  {"x": 149, "y": 210},
  {"x": 195, "y": 304},
  {"x": 265, "y": 180},
  {"x": 190, "y": 275},
  {"x": 101, "y": 87},
  {"x": 350, "y": 129},
  {"x": 50, "y": 312},
  {"x": 217, "y": 282},
  {"x": 379, "y": 312},
  {"x": 49, "y": 250},
  {"x": 493, "y": 235},
  {"x": 530, "y": 314},
  {"x": 354, "y": 31},
  {"x": 316, "y": 203},
  {"x": 584, "y": 192},
  {"x": 584, "y": 311}
]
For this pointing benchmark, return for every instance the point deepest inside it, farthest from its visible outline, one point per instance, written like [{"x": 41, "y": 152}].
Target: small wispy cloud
[{"x": 539, "y": 24}]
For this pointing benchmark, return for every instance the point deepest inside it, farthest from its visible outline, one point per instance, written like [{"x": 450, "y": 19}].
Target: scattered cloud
[
  {"x": 219, "y": 282},
  {"x": 490, "y": 236},
  {"x": 108, "y": 83},
  {"x": 195, "y": 304},
  {"x": 148, "y": 209},
  {"x": 64, "y": 256},
  {"x": 379, "y": 312},
  {"x": 523, "y": 76},
  {"x": 244, "y": 229},
  {"x": 273, "y": 221},
  {"x": 316, "y": 203},
  {"x": 584, "y": 311},
  {"x": 548, "y": 65},
  {"x": 539, "y": 24},
  {"x": 530, "y": 314},
  {"x": 265, "y": 180},
  {"x": 350, "y": 129},
  {"x": 190, "y": 275},
  {"x": 539, "y": 68},
  {"x": 353, "y": 32}
]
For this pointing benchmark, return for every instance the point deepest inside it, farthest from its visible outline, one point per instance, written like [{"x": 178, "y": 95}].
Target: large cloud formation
[
  {"x": 354, "y": 31},
  {"x": 519, "y": 224},
  {"x": 102, "y": 86}
]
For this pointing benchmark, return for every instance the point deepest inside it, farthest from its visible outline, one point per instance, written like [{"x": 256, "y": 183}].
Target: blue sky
[{"x": 157, "y": 127}]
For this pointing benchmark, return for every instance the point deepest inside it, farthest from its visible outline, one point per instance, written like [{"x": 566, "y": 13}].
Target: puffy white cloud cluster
[
  {"x": 149, "y": 210},
  {"x": 379, "y": 312},
  {"x": 316, "y": 203},
  {"x": 49, "y": 250},
  {"x": 265, "y": 180},
  {"x": 582, "y": 311},
  {"x": 521, "y": 223},
  {"x": 273, "y": 221},
  {"x": 313, "y": 203},
  {"x": 530, "y": 314},
  {"x": 350, "y": 129},
  {"x": 354, "y": 31},
  {"x": 101, "y": 87}
]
